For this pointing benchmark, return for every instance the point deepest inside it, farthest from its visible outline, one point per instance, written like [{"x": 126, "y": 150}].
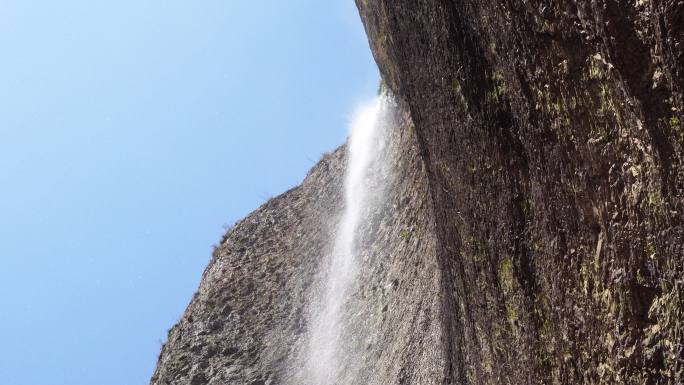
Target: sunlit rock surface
[{"x": 248, "y": 323}]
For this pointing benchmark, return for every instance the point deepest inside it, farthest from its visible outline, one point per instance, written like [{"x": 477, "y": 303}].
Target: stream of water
[{"x": 326, "y": 356}]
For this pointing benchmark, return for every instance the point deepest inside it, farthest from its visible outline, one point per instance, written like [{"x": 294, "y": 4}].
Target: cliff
[
  {"x": 247, "y": 323},
  {"x": 553, "y": 138},
  {"x": 533, "y": 231}
]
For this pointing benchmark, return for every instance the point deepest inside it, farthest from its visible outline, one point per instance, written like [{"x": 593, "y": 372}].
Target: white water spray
[{"x": 326, "y": 358}]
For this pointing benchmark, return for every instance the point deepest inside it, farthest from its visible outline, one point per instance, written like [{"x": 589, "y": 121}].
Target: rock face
[
  {"x": 532, "y": 234},
  {"x": 247, "y": 324},
  {"x": 552, "y": 132}
]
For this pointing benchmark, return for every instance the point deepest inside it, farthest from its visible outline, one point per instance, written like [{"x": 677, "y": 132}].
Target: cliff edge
[{"x": 532, "y": 232}]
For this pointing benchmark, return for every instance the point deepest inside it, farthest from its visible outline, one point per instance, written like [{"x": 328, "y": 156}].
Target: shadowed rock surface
[
  {"x": 532, "y": 234},
  {"x": 552, "y": 133}
]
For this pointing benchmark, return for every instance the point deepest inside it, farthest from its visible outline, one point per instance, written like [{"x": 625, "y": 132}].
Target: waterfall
[{"x": 328, "y": 356}]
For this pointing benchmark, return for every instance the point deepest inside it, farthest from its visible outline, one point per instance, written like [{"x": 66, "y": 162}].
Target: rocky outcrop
[
  {"x": 532, "y": 234},
  {"x": 552, "y": 133},
  {"x": 247, "y": 324}
]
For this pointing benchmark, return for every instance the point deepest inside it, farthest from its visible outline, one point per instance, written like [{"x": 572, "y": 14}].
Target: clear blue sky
[{"x": 131, "y": 131}]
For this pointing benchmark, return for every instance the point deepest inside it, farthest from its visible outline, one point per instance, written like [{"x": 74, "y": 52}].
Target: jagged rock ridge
[{"x": 247, "y": 324}]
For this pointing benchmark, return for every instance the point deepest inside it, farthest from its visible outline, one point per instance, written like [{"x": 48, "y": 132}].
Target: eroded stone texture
[
  {"x": 533, "y": 233},
  {"x": 552, "y": 133},
  {"x": 247, "y": 324}
]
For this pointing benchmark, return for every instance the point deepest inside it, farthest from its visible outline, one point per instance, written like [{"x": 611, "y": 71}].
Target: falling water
[{"x": 326, "y": 356}]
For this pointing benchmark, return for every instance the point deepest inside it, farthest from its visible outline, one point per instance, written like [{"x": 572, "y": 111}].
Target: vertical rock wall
[
  {"x": 532, "y": 232},
  {"x": 552, "y": 133}
]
